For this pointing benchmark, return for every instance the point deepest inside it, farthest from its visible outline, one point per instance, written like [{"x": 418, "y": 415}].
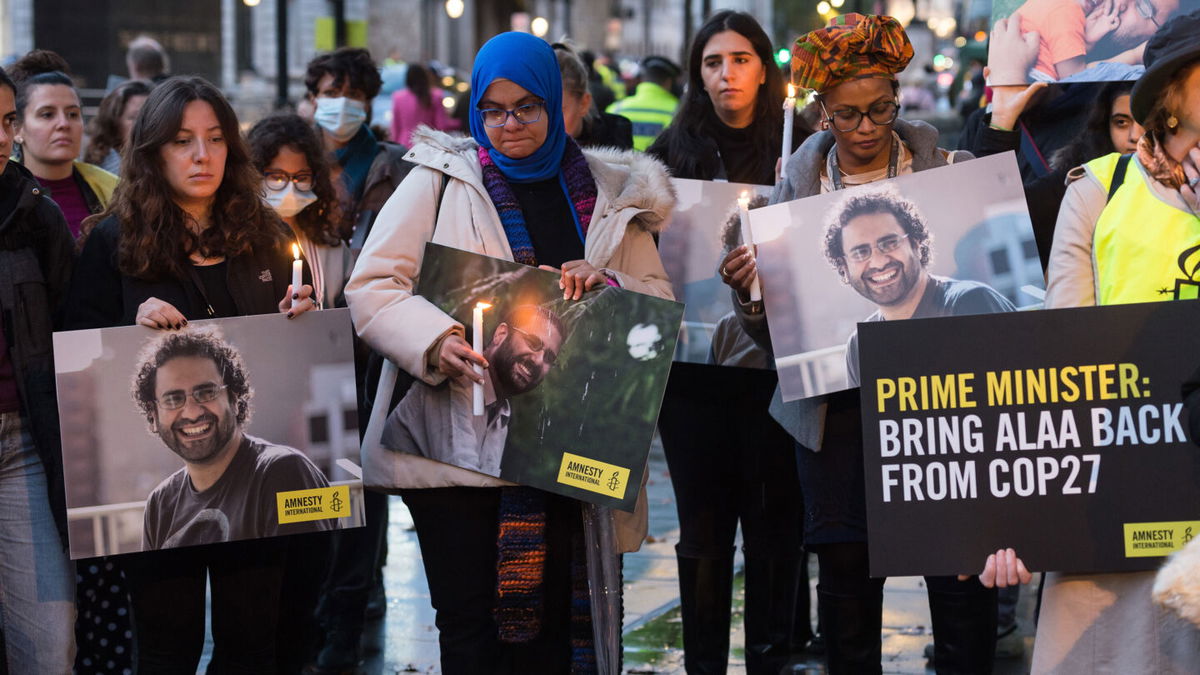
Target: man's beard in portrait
[
  {"x": 210, "y": 434},
  {"x": 517, "y": 373},
  {"x": 887, "y": 285},
  {"x": 1112, "y": 44}
]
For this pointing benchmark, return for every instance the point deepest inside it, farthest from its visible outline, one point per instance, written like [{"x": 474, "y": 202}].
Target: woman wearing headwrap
[
  {"x": 852, "y": 66},
  {"x": 518, "y": 189}
]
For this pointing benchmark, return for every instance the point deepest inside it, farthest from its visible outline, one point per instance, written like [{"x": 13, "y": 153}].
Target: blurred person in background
[
  {"x": 147, "y": 60},
  {"x": 110, "y": 127},
  {"x": 419, "y": 102},
  {"x": 37, "y": 580},
  {"x": 49, "y": 131},
  {"x": 587, "y": 125},
  {"x": 653, "y": 102}
]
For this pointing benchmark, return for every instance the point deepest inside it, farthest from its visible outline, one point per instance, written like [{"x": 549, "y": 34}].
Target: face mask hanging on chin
[
  {"x": 340, "y": 117},
  {"x": 289, "y": 201}
]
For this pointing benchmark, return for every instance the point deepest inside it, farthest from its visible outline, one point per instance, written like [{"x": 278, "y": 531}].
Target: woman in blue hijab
[{"x": 522, "y": 190}]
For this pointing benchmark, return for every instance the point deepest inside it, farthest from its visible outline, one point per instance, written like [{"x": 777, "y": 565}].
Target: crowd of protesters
[{"x": 167, "y": 210}]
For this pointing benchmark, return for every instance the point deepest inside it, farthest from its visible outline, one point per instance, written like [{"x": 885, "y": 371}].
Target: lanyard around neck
[{"x": 835, "y": 173}]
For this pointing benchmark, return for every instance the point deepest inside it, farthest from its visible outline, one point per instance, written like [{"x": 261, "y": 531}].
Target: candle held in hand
[
  {"x": 748, "y": 240},
  {"x": 297, "y": 272},
  {"x": 477, "y": 345}
]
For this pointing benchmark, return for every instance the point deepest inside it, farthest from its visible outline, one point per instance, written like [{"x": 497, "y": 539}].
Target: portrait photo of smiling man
[
  {"x": 879, "y": 245},
  {"x": 437, "y": 421},
  {"x": 192, "y": 388}
]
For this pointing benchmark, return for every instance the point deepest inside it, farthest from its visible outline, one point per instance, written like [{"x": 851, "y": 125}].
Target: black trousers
[
  {"x": 457, "y": 529},
  {"x": 851, "y": 605},
  {"x": 167, "y": 590},
  {"x": 356, "y": 557}
]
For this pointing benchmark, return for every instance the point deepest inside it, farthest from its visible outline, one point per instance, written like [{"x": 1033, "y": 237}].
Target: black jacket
[
  {"x": 101, "y": 296},
  {"x": 36, "y": 257},
  {"x": 387, "y": 170},
  {"x": 608, "y": 131}
]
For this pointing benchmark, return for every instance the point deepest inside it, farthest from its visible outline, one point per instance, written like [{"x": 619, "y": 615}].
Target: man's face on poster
[
  {"x": 196, "y": 430},
  {"x": 525, "y": 350},
  {"x": 883, "y": 278},
  {"x": 1139, "y": 19}
]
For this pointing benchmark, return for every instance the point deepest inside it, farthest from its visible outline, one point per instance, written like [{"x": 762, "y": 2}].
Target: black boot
[
  {"x": 964, "y": 626},
  {"x": 851, "y": 625},
  {"x": 705, "y": 589},
  {"x": 770, "y": 610}
]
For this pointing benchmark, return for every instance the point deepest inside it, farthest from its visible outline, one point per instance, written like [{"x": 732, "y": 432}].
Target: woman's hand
[
  {"x": 1010, "y": 101},
  {"x": 1010, "y": 53},
  {"x": 1191, "y": 189},
  {"x": 1002, "y": 569},
  {"x": 737, "y": 270},
  {"x": 456, "y": 358},
  {"x": 160, "y": 315},
  {"x": 296, "y": 303},
  {"x": 578, "y": 277}
]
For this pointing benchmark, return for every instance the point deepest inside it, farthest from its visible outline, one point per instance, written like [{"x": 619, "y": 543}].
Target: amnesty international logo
[
  {"x": 298, "y": 506},
  {"x": 593, "y": 475},
  {"x": 336, "y": 503}
]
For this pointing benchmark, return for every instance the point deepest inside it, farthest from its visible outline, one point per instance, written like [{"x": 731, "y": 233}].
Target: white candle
[
  {"x": 477, "y": 345},
  {"x": 748, "y": 240},
  {"x": 789, "y": 115},
  {"x": 297, "y": 272}
]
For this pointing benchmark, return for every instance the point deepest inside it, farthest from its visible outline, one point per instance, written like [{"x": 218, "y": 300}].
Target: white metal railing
[
  {"x": 819, "y": 365},
  {"x": 104, "y": 518}
]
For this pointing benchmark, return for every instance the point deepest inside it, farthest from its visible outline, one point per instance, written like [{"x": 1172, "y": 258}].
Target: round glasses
[
  {"x": 278, "y": 180},
  {"x": 538, "y": 345},
  {"x": 177, "y": 398},
  {"x": 885, "y": 245},
  {"x": 882, "y": 113},
  {"x": 525, "y": 114}
]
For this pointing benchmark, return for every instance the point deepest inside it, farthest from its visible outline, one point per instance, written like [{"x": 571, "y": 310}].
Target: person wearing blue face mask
[
  {"x": 522, "y": 190},
  {"x": 297, "y": 184},
  {"x": 341, "y": 85}
]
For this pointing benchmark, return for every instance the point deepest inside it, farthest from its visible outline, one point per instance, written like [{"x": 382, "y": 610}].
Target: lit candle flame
[
  {"x": 791, "y": 90},
  {"x": 744, "y": 199},
  {"x": 482, "y": 305},
  {"x": 296, "y": 251}
]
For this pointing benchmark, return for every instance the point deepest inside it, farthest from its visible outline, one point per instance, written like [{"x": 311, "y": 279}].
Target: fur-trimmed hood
[{"x": 627, "y": 179}]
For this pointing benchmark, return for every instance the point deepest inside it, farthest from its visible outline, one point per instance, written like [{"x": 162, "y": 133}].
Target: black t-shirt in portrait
[{"x": 240, "y": 505}]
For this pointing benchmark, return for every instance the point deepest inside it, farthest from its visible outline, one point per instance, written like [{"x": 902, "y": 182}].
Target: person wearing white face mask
[
  {"x": 297, "y": 184},
  {"x": 340, "y": 86}
]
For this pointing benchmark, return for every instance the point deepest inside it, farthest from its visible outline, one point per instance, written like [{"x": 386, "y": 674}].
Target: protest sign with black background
[{"x": 1059, "y": 433}]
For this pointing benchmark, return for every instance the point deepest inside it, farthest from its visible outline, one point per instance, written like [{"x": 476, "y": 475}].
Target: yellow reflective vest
[{"x": 1144, "y": 249}]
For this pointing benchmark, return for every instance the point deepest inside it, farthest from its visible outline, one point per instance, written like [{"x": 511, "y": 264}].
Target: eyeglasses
[
  {"x": 278, "y": 180},
  {"x": 525, "y": 114},
  {"x": 537, "y": 344},
  {"x": 882, "y": 113},
  {"x": 1147, "y": 11},
  {"x": 885, "y": 245},
  {"x": 203, "y": 393}
]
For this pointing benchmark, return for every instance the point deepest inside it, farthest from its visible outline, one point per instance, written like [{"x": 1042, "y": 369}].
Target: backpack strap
[{"x": 1118, "y": 176}]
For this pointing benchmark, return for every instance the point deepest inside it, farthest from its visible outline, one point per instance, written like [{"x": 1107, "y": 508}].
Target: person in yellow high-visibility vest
[{"x": 652, "y": 104}]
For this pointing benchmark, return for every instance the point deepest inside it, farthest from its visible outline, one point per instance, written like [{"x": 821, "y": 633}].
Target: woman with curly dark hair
[
  {"x": 110, "y": 127},
  {"x": 298, "y": 185},
  {"x": 188, "y": 236}
]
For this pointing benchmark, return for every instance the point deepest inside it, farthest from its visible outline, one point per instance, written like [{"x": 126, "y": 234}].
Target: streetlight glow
[
  {"x": 540, "y": 26},
  {"x": 250, "y": 3},
  {"x": 823, "y": 7},
  {"x": 454, "y": 8}
]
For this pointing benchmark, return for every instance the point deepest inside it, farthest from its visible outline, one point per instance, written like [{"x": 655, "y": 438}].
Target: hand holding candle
[
  {"x": 297, "y": 273},
  {"x": 789, "y": 115},
  {"x": 748, "y": 240},
  {"x": 477, "y": 345}
]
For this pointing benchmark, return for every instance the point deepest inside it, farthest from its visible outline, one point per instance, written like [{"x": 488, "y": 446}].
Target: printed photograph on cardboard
[
  {"x": 944, "y": 242},
  {"x": 704, "y": 227},
  {"x": 229, "y": 429},
  {"x": 1077, "y": 40},
  {"x": 572, "y": 391}
]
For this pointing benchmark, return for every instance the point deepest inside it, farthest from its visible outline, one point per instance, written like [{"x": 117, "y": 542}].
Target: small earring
[{"x": 1172, "y": 122}]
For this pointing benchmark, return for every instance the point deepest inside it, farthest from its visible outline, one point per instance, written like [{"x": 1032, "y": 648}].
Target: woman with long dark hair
[
  {"x": 110, "y": 127},
  {"x": 419, "y": 102},
  {"x": 298, "y": 185},
  {"x": 730, "y": 125},
  {"x": 187, "y": 237}
]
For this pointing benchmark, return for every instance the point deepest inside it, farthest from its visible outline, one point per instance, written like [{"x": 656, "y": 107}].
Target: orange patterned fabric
[{"x": 851, "y": 47}]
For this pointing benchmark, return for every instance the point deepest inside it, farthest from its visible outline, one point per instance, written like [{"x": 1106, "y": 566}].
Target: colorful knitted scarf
[{"x": 577, "y": 184}]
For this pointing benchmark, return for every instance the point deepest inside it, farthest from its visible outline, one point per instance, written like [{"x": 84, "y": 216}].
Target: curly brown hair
[
  {"x": 156, "y": 240},
  {"x": 320, "y": 221},
  {"x": 105, "y": 127},
  {"x": 887, "y": 201},
  {"x": 197, "y": 343}
]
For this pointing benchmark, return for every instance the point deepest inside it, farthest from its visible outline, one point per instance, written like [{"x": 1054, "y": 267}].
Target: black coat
[
  {"x": 101, "y": 296},
  {"x": 36, "y": 258}
]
